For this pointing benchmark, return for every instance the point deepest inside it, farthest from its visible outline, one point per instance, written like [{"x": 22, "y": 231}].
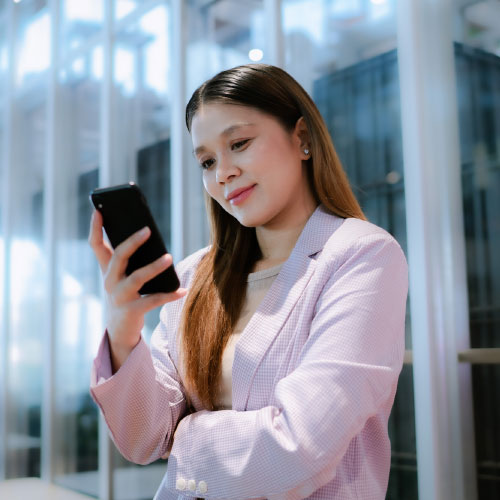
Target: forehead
[
  {"x": 222, "y": 108},
  {"x": 216, "y": 119}
]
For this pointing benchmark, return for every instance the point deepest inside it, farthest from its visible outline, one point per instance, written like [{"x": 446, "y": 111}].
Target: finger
[
  {"x": 124, "y": 251},
  {"x": 101, "y": 249},
  {"x": 150, "y": 302},
  {"x": 144, "y": 274}
]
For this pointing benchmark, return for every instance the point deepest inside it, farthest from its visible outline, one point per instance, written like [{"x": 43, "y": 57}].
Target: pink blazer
[{"x": 314, "y": 378}]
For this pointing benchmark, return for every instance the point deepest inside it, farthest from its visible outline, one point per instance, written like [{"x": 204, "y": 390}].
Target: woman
[{"x": 273, "y": 370}]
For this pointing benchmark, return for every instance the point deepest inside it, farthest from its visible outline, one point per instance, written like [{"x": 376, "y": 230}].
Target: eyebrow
[{"x": 227, "y": 131}]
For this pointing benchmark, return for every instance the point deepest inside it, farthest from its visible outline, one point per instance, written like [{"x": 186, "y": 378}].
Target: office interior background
[{"x": 92, "y": 93}]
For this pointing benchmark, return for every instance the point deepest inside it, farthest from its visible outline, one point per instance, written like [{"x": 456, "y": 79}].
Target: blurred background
[{"x": 92, "y": 93}]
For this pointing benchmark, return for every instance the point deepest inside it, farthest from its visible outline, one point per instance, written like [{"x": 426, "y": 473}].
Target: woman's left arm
[{"x": 347, "y": 370}]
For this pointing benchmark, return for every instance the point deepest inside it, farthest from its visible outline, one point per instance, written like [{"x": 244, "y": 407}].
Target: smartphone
[{"x": 124, "y": 211}]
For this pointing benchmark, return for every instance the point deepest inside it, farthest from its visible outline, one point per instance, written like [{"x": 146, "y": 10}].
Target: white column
[
  {"x": 275, "y": 43},
  {"x": 106, "y": 112},
  {"x": 177, "y": 34},
  {"x": 6, "y": 232},
  {"x": 436, "y": 248},
  {"x": 50, "y": 243},
  {"x": 105, "y": 446}
]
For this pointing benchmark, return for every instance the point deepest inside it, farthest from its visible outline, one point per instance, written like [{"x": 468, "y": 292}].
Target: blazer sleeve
[
  {"x": 141, "y": 403},
  {"x": 348, "y": 368},
  {"x": 144, "y": 400}
]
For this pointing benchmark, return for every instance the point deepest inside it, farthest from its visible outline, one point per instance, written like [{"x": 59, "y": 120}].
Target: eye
[
  {"x": 239, "y": 144},
  {"x": 206, "y": 164}
]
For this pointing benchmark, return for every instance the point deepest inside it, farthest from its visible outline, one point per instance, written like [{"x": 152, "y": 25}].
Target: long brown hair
[{"x": 217, "y": 292}]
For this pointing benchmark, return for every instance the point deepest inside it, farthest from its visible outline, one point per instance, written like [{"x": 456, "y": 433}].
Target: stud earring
[{"x": 306, "y": 151}]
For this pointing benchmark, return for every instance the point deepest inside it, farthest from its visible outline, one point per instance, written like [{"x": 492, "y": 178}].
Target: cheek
[
  {"x": 280, "y": 163},
  {"x": 210, "y": 184},
  {"x": 279, "y": 155}
]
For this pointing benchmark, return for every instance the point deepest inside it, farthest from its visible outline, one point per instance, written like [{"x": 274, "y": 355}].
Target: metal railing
[{"x": 483, "y": 356}]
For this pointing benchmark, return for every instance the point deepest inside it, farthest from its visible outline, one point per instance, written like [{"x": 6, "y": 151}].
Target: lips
[{"x": 237, "y": 192}]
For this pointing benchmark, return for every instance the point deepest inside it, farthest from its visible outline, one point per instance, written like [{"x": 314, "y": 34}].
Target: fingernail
[{"x": 144, "y": 231}]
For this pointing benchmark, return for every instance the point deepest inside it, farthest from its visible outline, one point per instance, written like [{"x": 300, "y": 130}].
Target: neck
[{"x": 277, "y": 239}]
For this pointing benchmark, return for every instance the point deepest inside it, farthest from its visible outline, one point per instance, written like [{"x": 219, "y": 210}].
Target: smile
[{"x": 240, "y": 195}]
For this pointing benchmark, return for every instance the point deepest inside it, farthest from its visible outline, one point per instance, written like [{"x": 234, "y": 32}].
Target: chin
[
  {"x": 254, "y": 213},
  {"x": 250, "y": 220},
  {"x": 255, "y": 221}
]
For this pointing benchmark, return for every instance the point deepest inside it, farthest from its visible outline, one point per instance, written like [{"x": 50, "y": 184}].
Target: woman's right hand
[{"x": 125, "y": 306}]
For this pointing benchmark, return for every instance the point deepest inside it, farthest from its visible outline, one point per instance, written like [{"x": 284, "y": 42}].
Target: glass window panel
[
  {"x": 28, "y": 271},
  {"x": 224, "y": 34},
  {"x": 221, "y": 35},
  {"x": 403, "y": 476},
  {"x": 124, "y": 7},
  {"x": 477, "y": 63},
  {"x": 141, "y": 79},
  {"x": 80, "y": 22},
  {"x": 32, "y": 42},
  {"x": 141, "y": 111},
  {"x": 344, "y": 54},
  {"x": 486, "y": 381},
  {"x": 141, "y": 153},
  {"x": 79, "y": 318}
]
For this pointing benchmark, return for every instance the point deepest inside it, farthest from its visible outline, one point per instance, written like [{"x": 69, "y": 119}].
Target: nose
[{"x": 225, "y": 170}]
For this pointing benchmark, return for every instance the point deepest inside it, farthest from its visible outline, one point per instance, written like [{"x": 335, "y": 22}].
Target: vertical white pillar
[
  {"x": 6, "y": 232},
  {"x": 177, "y": 34},
  {"x": 50, "y": 244},
  {"x": 436, "y": 248},
  {"x": 106, "y": 111},
  {"x": 105, "y": 446},
  {"x": 275, "y": 44}
]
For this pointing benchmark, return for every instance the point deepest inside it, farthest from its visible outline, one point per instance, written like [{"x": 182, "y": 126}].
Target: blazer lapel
[{"x": 279, "y": 301}]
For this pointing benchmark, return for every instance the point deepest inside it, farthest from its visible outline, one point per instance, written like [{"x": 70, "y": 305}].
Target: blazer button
[
  {"x": 180, "y": 484},
  {"x": 192, "y": 484},
  {"x": 202, "y": 486}
]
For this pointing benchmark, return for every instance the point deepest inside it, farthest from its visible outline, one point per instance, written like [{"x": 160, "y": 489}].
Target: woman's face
[{"x": 252, "y": 166}]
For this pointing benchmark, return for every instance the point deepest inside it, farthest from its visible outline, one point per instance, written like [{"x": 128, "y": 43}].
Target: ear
[{"x": 301, "y": 136}]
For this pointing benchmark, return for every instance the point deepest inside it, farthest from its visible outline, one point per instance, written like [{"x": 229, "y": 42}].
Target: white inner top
[{"x": 258, "y": 284}]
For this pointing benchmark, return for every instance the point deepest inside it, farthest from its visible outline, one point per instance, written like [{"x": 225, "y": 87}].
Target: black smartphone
[{"x": 124, "y": 211}]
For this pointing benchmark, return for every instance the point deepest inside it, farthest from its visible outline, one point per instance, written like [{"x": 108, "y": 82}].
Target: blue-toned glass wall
[
  {"x": 142, "y": 147},
  {"x": 77, "y": 87},
  {"x": 478, "y": 86},
  {"x": 26, "y": 285}
]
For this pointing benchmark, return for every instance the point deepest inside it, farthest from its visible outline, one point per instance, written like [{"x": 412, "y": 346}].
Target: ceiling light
[{"x": 255, "y": 55}]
